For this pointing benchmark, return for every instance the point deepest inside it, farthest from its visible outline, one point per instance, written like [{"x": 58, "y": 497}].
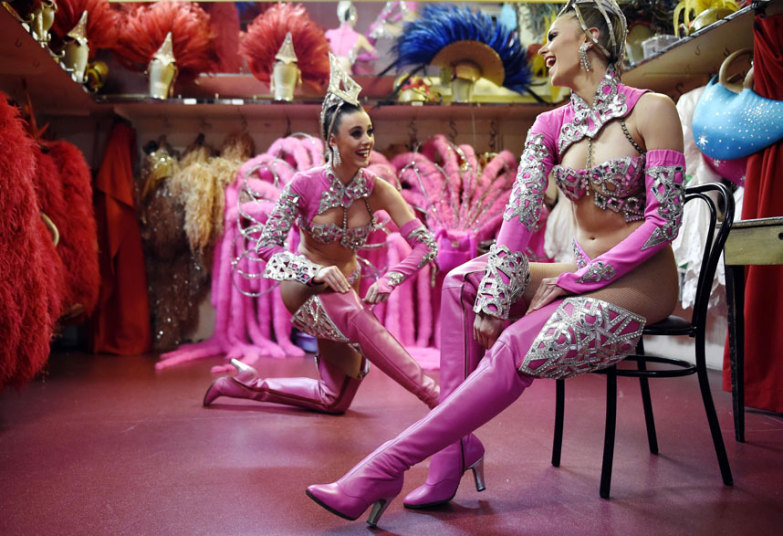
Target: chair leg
[
  {"x": 559, "y": 411},
  {"x": 644, "y": 385},
  {"x": 611, "y": 423},
  {"x": 712, "y": 417}
]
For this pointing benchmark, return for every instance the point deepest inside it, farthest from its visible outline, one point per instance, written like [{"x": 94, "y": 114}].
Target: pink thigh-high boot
[
  {"x": 460, "y": 355},
  {"x": 332, "y": 393},
  {"x": 342, "y": 317},
  {"x": 581, "y": 334}
]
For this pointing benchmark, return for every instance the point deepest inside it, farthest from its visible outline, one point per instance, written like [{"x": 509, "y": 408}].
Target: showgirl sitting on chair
[{"x": 616, "y": 153}]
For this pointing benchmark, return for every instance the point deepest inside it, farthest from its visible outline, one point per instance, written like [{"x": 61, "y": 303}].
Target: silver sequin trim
[
  {"x": 527, "y": 194},
  {"x": 326, "y": 233},
  {"x": 584, "y": 334},
  {"x": 313, "y": 319},
  {"x": 668, "y": 191},
  {"x": 496, "y": 295},
  {"x": 609, "y": 103},
  {"x": 340, "y": 195},
  {"x": 395, "y": 278},
  {"x": 597, "y": 272},
  {"x": 287, "y": 265},
  {"x": 423, "y": 235},
  {"x": 579, "y": 257},
  {"x": 280, "y": 220}
]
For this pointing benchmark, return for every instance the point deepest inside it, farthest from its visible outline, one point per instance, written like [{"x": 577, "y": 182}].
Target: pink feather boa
[{"x": 247, "y": 328}]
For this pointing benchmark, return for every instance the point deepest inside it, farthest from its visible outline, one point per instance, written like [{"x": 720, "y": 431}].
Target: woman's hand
[
  {"x": 487, "y": 329},
  {"x": 374, "y": 296},
  {"x": 546, "y": 293},
  {"x": 334, "y": 278}
]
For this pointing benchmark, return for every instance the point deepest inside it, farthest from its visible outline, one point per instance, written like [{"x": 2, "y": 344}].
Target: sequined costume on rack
[{"x": 646, "y": 187}]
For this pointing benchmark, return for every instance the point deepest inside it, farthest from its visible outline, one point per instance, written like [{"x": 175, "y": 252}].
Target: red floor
[{"x": 105, "y": 445}]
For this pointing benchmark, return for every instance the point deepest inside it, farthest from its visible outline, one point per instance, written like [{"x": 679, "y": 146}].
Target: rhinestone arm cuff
[
  {"x": 278, "y": 224},
  {"x": 523, "y": 212},
  {"x": 286, "y": 266},
  {"x": 423, "y": 251},
  {"x": 505, "y": 279},
  {"x": 665, "y": 170}
]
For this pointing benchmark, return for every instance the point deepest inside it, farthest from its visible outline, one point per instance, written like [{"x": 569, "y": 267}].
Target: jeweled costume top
[{"x": 647, "y": 187}]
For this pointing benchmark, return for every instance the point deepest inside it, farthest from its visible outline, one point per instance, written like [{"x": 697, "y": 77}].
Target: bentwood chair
[{"x": 667, "y": 367}]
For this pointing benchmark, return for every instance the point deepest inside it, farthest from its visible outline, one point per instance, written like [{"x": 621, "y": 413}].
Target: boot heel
[
  {"x": 242, "y": 366},
  {"x": 378, "y": 508},
  {"x": 478, "y": 474}
]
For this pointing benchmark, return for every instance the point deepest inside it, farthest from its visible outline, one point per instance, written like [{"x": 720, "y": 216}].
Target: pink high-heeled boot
[
  {"x": 563, "y": 338},
  {"x": 460, "y": 355},
  {"x": 332, "y": 393},
  {"x": 378, "y": 478},
  {"x": 343, "y": 317}
]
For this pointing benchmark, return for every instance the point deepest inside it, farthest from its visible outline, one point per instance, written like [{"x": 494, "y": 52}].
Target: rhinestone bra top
[
  {"x": 339, "y": 195},
  {"x": 616, "y": 185},
  {"x": 326, "y": 233}
]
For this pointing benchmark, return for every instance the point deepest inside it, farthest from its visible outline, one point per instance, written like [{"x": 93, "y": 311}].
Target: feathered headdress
[
  {"x": 266, "y": 34},
  {"x": 102, "y": 18},
  {"x": 468, "y": 33},
  {"x": 145, "y": 27}
]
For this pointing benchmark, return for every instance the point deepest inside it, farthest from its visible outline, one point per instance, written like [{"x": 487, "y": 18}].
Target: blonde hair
[{"x": 606, "y": 16}]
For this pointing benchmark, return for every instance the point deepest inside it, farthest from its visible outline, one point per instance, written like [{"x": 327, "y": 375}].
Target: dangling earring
[
  {"x": 336, "y": 160},
  {"x": 583, "y": 58}
]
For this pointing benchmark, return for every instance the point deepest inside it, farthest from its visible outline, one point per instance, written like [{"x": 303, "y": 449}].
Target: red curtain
[
  {"x": 121, "y": 323},
  {"x": 764, "y": 198}
]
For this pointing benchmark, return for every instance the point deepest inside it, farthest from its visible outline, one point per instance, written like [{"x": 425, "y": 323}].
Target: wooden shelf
[
  {"x": 28, "y": 67},
  {"x": 26, "y": 64},
  {"x": 691, "y": 61}
]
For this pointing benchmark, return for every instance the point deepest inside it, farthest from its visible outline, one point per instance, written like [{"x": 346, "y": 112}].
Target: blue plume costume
[{"x": 440, "y": 25}]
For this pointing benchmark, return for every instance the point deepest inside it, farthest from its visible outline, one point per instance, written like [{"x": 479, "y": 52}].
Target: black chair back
[{"x": 717, "y": 232}]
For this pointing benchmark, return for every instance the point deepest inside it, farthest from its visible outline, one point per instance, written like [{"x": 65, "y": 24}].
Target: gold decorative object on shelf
[
  {"x": 285, "y": 73},
  {"x": 688, "y": 12},
  {"x": 162, "y": 70},
  {"x": 42, "y": 20},
  {"x": 77, "y": 51}
]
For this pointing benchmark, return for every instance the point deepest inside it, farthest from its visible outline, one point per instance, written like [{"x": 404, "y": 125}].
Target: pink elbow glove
[
  {"x": 424, "y": 251},
  {"x": 665, "y": 170}
]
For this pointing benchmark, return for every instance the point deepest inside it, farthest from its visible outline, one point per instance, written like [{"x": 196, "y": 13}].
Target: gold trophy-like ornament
[
  {"x": 41, "y": 20},
  {"x": 285, "y": 73},
  {"x": 162, "y": 70},
  {"x": 77, "y": 51}
]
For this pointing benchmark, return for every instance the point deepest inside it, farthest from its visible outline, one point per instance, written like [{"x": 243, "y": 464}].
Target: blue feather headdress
[{"x": 441, "y": 25}]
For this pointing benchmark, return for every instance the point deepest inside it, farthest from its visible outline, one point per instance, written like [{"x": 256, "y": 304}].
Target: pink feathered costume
[{"x": 569, "y": 336}]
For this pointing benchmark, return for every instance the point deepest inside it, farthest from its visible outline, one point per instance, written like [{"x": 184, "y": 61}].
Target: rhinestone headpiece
[
  {"x": 342, "y": 89},
  {"x": 287, "y": 54},
  {"x": 605, "y": 7}
]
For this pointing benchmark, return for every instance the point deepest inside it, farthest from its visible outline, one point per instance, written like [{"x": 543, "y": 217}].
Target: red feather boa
[
  {"x": 78, "y": 236},
  {"x": 26, "y": 323}
]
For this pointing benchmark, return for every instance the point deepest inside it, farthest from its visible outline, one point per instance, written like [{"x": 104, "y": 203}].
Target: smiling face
[
  {"x": 354, "y": 137},
  {"x": 561, "y": 53}
]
